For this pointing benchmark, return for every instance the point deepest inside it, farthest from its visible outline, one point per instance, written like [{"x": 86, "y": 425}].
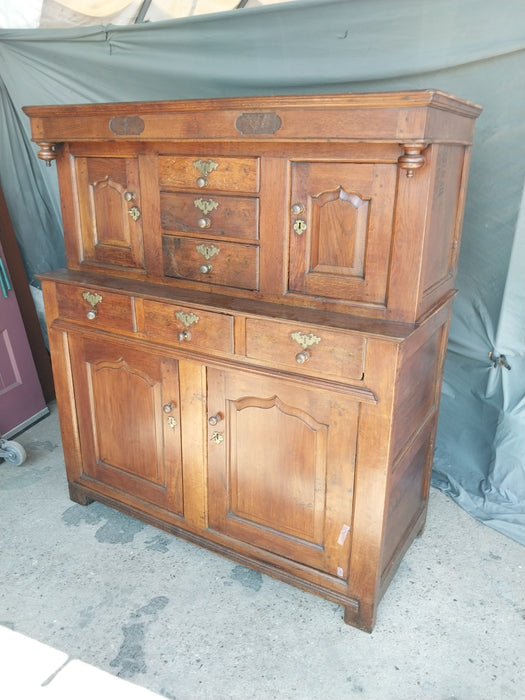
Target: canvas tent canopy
[{"x": 474, "y": 49}]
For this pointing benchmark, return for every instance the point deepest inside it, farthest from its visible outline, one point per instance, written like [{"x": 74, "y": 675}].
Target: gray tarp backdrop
[{"x": 472, "y": 48}]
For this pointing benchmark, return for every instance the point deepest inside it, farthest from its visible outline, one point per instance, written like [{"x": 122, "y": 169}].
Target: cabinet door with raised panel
[
  {"x": 281, "y": 467},
  {"x": 109, "y": 211},
  {"x": 128, "y": 411},
  {"x": 341, "y": 229}
]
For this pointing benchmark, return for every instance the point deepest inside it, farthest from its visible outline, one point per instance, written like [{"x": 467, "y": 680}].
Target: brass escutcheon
[
  {"x": 205, "y": 167},
  {"x": 217, "y": 437},
  {"x": 207, "y": 251},
  {"x": 305, "y": 341},
  {"x": 205, "y": 205},
  {"x": 187, "y": 319},
  {"x": 92, "y": 298},
  {"x": 300, "y": 227}
]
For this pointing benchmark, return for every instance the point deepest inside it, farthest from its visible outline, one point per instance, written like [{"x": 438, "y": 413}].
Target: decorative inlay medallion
[
  {"x": 258, "y": 123},
  {"x": 127, "y": 126}
]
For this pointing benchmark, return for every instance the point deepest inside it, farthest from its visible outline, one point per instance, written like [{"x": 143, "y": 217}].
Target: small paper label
[{"x": 342, "y": 535}]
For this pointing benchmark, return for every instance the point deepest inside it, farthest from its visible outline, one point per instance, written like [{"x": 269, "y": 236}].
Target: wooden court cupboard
[{"x": 248, "y": 340}]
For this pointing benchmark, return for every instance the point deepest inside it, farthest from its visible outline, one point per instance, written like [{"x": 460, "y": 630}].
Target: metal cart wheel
[{"x": 12, "y": 452}]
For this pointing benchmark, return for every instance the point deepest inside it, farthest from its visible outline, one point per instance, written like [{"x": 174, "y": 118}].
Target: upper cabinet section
[{"x": 350, "y": 203}]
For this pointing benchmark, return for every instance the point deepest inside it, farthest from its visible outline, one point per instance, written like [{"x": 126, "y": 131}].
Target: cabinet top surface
[
  {"x": 407, "y": 99},
  {"x": 387, "y": 115}
]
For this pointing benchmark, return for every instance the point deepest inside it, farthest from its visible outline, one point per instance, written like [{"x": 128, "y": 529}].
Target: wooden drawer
[
  {"x": 177, "y": 324},
  {"x": 221, "y": 215},
  {"x": 306, "y": 348},
  {"x": 214, "y": 173},
  {"x": 96, "y": 308},
  {"x": 213, "y": 262}
]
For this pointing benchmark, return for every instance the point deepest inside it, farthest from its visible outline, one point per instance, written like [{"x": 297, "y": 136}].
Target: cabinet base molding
[{"x": 351, "y": 607}]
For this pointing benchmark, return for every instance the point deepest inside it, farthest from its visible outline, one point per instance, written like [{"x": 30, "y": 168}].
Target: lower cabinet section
[{"x": 322, "y": 484}]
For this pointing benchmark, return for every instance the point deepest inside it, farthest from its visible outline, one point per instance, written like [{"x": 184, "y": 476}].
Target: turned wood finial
[
  {"x": 412, "y": 158},
  {"x": 47, "y": 152}
]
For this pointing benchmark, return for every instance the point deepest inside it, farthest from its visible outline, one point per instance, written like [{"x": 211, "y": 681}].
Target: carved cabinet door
[
  {"x": 128, "y": 411},
  {"x": 109, "y": 218},
  {"x": 340, "y": 229},
  {"x": 281, "y": 467}
]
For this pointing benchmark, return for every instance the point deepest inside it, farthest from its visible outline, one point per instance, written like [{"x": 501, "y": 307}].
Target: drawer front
[
  {"x": 214, "y": 173},
  {"x": 307, "y": 349},
  {"x": 96, "y": 308},
  {"x": 192, "y": 327},
  {"x": 213, "y": 262},
  {"x": 220, "y": 215}
]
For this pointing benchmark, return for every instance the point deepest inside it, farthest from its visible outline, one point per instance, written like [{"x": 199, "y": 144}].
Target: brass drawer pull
[
  {"x": 187, "y": 320},
  {"x": 205, "y": 269},
  {"x": 93, "y": 299},
  {"x": 204, "y": 222},
  {"x": 130, "y": 196},
  {"x": 297, "y": 208},
  {"x": 305, "y": 341},
  {"x": 205, "y": 167}
]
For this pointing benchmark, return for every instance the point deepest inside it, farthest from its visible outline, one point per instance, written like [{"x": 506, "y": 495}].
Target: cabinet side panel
[
  {"x": 415, "y": 410},
  {"x": 441, "y": 243},
  {"x": 418, "y": 387},
  {"x": 407, "y": 497}
]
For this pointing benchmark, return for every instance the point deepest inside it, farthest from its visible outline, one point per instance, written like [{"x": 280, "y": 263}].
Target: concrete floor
[{"x": 101, "y": 593}]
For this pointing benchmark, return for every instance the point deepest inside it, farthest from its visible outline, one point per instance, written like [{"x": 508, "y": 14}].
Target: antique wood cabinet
[{"x": 248, "y": 340}]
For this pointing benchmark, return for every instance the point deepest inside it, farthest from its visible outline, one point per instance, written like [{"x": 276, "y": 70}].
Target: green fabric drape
[{"x": 473, "y": 48}]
